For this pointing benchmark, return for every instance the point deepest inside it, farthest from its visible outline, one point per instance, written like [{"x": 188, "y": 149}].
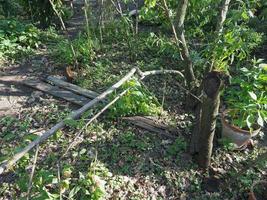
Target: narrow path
[{"x": 14, "y": 96}]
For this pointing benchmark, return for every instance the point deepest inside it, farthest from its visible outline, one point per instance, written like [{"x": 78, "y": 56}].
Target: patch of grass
[{"x": 83, "y": 47}]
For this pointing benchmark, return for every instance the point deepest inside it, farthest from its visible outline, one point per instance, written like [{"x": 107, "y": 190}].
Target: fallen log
[
  {"x": 151, "y": 125},
  {"x": 74, "y": 115},
  {"x": 72, "y": 87},
  {"x": 57, "y": 92}
]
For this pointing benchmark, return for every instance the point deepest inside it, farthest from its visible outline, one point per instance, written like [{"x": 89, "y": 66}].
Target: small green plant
[
  {"x": 137, "y": 101},
  {"x": 227, "y": 144},
  {"x": 91, "y": 185},
  {"x": 247, "y": 98},
  {"x": 177, "y": 147},
  {"x": 83, "y": 47}
]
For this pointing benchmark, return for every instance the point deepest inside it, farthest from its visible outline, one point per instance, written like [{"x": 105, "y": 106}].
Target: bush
[
  {"x": 137, "y": 101},
  {"x": 17, "y": 37}
]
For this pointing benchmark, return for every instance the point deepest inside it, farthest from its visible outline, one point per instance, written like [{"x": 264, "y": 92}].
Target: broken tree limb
[
  {"x": 155, "y": 72},
  {"x": 72, "y": 87},
  {"x": 145, "y": 74},
  {"x": 74, "y": 115}
]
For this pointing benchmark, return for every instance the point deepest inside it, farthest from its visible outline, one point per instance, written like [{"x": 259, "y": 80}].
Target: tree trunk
[
  {"x": 219, "y": 28},
  {"x": 194, "y": 144},
  {"x": 212, "y": 85},
  {"x": 179, "y": 27},
  {"x": 223, "y": 13}
]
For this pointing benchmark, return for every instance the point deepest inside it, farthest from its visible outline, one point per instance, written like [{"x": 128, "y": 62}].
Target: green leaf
[
  {"x": 263, "y": 66},
  {"x": 248, "y": 122},
  {"x": 253, "y": 95},
  {"x": 260, "y": 120},
  {"x": 74, "y": 191}
]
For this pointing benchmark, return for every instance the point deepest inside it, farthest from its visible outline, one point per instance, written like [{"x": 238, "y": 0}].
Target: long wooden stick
[{"x": 74, "y": 115}]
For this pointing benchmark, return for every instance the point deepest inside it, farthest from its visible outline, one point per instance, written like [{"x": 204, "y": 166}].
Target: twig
[
  {"x": 166, "y": 9},
  {"x": 32, "y": 173},
  {"x": 136, "y": 17},
  {"x": 59, "y": 179},
  {"x": 163, "y": 94},
  {"x": 92, "y": 119},
  {"x": 100, "y": 23},
  {"x": 156, "y": 72},
  {"x": 116, "y": 8},
  {"x": 86, "y": 8},
  {"x": 74, "y": 115}
]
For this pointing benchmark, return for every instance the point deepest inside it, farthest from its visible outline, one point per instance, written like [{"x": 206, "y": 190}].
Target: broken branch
[{"x": 74, "y": 115}]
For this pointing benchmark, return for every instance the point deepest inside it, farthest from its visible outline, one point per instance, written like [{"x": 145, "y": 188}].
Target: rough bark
[{"x": 212, "y": 85}]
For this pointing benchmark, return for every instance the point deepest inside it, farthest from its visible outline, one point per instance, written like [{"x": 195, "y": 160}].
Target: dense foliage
[{"x": 111, "y": 159}]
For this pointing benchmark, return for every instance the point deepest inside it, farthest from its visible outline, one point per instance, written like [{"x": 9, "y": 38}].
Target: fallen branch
[
  {"x": 155, "y": 72},
  {"x": 32, "y": 173},
  {"x": 165, "y": 71},
  {"x": 74, "y": 115}
]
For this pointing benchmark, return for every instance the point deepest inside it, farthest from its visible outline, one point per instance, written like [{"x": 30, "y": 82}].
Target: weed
[
  {"x": 137, "y": 101},
  {"x": 177, "y": 147},
  {"x": 83, "y": 47},
  {"x": 227, "y": 144}
]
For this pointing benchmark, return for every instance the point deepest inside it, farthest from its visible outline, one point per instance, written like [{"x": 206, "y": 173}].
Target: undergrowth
[
  {"x": 137, "y": 101},
  {"x": 19, "y": 38}
]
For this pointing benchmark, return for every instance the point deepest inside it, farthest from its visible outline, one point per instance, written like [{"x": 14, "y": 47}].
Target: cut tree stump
[
  {"x": 151, "y": 124},
  {"x": 212, "y": 85},
  {"x": 57, "y": 92}
]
